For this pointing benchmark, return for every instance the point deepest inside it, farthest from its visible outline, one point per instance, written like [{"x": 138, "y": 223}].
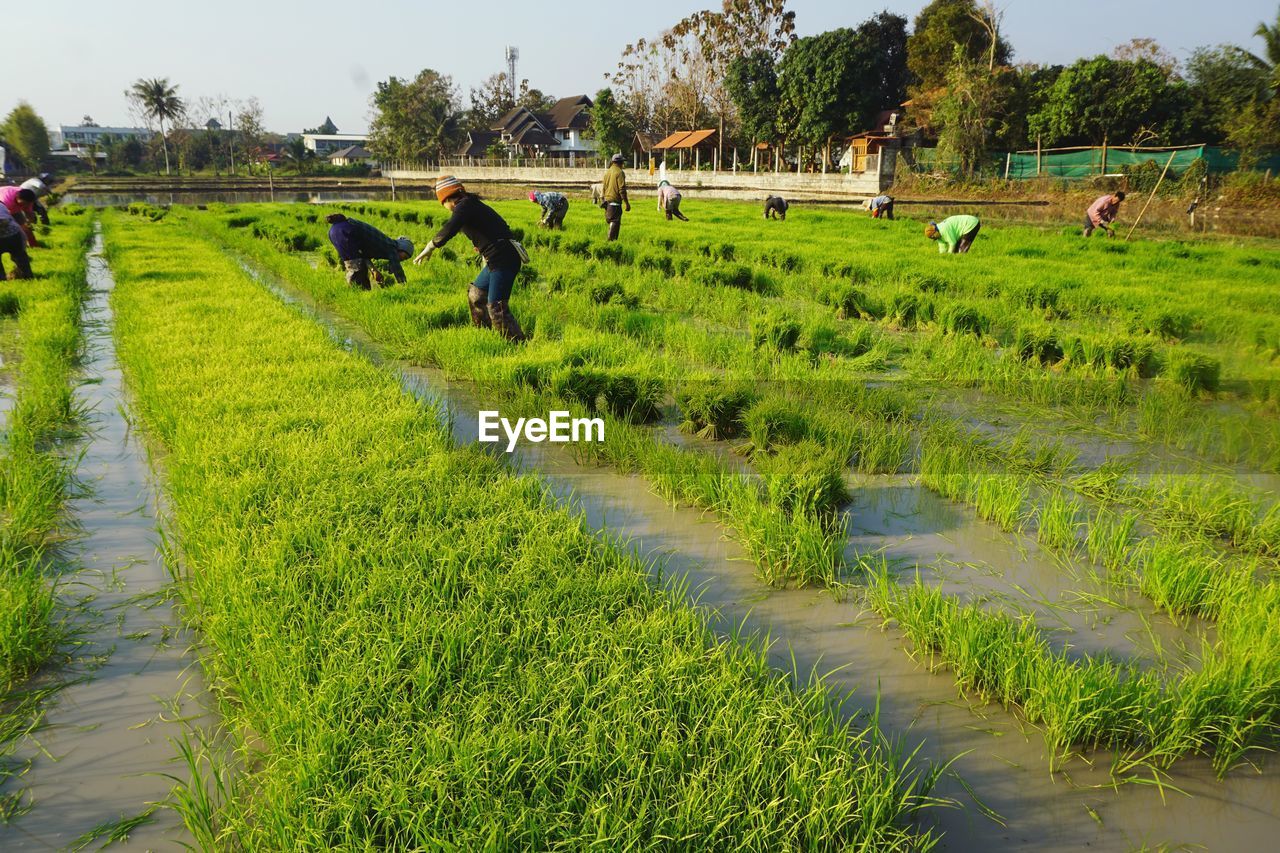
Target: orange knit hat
[{"x": 446, "y": 186}]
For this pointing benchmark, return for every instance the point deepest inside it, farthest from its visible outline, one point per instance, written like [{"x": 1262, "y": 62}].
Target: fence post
[
  {"x": 1037, "y": 156},
  {"x": 1104, "y": 155},
  {"x": 1008, "y": 161}
]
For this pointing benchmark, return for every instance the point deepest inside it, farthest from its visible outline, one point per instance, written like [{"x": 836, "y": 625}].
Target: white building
[
  {"x": 325, "y": 144},
  {"x": 81, "y": 137}
]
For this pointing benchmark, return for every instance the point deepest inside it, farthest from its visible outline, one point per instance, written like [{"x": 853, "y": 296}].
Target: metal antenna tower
[{"x": 513, "y": 54}]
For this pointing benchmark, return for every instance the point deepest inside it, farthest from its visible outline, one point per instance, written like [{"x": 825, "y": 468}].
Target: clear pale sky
[{"x": 305, "y": 60}]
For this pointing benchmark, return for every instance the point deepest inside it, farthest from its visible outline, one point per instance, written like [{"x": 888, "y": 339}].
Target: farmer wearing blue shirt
[
  {"x": 955, "y": 234},
  {"x": 554, "y": 207},
  {"x": 881, "y": 207},
  {"x": 358, "y": 243}
]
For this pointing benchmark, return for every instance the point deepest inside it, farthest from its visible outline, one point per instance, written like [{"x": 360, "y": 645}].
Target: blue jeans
[{"x": 497, "y": 282}]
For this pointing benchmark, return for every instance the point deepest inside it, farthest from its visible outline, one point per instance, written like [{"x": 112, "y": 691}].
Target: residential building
[
  {"x": 325, "y": 144},
  {"x": 555, "y": 133},
  {"x": 350, "y": 156},
  {"x": 81, "y": 137}
]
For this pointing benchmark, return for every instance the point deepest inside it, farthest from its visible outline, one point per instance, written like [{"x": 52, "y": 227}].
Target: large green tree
[
  {"x": 610, "y": 124},
  {"x": 1269, "y": 60},
  {"x": 752, "y": 82},
  {"x": 1108, "y": 99},
  {"x": 416, "y": 119},
  {"x": 835, "y": 82},
  {"x": 1224, "y": 81},
  {"x": 968, "y": 115},
  {"x": 158, "y": 101},
  {"x": 944, "y": 25},
  {"x": 25, "y": 136}
]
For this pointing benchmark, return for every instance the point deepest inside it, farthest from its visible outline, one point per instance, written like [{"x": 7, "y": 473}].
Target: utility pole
[{"x": 231, "y": 142}]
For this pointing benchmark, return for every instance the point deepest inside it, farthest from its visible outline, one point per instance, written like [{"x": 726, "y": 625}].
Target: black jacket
[{"x": 487, "y": 231}]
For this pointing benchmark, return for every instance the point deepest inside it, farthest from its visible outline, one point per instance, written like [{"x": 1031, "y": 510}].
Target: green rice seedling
[
  {"x": 714, "y": 411},
  {"x": 776, "y": 330},
  {"x": 851, "y": 303},
  {"x": 1057, "y": 521},
  {"x": 958, "y": 319},
  {"x": 442, "y": 625},
  {"x": 9, "y": 305},
  {"x": 771, "y": 423},
  {"x": 635, "y": 399},
  {"x": 931, "y": 284},
  {"x": 804, "y": 478},
  {"x": 790, "y": 549},
  {"x": 1038, "y": 344},
  {"x": 906, "y": 310},
  {"x": 1000, "y": 499},
  {"x": 1108, "y": 536},
  {"x": 240, "y": 221},
  {"x": 1194, "y": 371},
  {"x": 655, "y": 263},
  {"x": 739, "y": 276},
  {"x": 1165, "y": 323},
  {"x": 612, "y": 292},
  {"x": 581, "y": 385}
]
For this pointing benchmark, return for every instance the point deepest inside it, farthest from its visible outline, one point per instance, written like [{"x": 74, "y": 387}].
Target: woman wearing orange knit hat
[{"x": 503, "y": 256}]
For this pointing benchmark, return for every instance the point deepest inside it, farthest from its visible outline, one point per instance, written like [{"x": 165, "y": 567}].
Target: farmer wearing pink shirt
[
  {"x": 1102, "y": 213},
  {"x": 21, "y": 204}
]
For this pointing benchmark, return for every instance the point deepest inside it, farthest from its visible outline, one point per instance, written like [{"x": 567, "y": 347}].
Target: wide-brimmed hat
[
  {"x": 616, "y": 158},
  {"x": 405, "y": 245},
  {"x": 447, "y": 186}
]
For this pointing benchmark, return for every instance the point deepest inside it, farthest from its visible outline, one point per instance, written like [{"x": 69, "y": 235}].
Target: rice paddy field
[{"x": 883, "y": 549}]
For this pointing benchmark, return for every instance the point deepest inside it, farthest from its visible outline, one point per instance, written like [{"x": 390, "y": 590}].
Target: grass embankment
[
  {"x": 37, "y": 466},
  {"x": 414, "y": 648},
  {"x": 766, "y": 321}
]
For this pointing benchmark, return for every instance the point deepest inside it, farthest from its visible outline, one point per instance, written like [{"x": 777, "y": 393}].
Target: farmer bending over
[
  {"x": 614, "y": 196},
  {"x": 554, "y": 208},
  {"x": 881, "y": 207},
  {"x": 669, "y": 201},
  {"x": 21, "y": 204},
  {"x": 13, "y": 242},
  {"x": 358, "y": 243},
  {"x": 488, "y": 294},
  {"x": 40, "y": 186},
  {"x": 1102, "y": 213},
  {"x": 955, "y": 234},
  {"x": 775, "y": 206}
]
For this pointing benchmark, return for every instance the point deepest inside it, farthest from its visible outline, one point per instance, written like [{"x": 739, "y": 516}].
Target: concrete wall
[{"x": 736, "y": 184}]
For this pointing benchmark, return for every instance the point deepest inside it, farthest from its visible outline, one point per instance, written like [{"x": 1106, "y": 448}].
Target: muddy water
[
  {"x": 1001, "y": 758},
  {"x": 108, "y": 738}
]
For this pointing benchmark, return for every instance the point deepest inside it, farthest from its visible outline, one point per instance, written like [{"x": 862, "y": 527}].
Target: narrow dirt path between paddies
[
  {"x": 1011, "y": 792},
  {"x": 104, "y": 757},
  {"x": 37, "y": 450},
  {"x": 416, "y": 647}
]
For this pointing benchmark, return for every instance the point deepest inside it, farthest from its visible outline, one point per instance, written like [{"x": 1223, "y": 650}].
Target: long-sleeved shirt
[
  {"x": 355, "y": 239},
  {"x": 951, "y": 229},
  {"x": 19, "y": 211},
  {"x": 1103, "y": 210},
  {"x": 879, "y": 202},
  {"x": 667, "y": 194},
  {"x": 615, "y": 185},
  {"x": 486, "y": 230},
  {"x": 550, "y": 201}
]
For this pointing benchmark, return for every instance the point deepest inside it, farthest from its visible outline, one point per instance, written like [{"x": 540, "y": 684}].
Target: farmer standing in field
[
  {"x": 358, "y": 243},
  {"x": 1102, "y": 213},
  {"x": 775, "y": 206},
  {"x": 669, "y": 201},
  {"x": 21, "y": 203},
  {"x": 554, "y": 207},
  {"x": 955, "y": 234},
  {"x": 614, "y": 196},
  {"x": 881, "y": 207},
  {"x": 488, "y": 294},
  {"x": 13, "y": 242}
]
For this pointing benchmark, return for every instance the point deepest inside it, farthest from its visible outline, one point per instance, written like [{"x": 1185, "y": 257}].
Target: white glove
[{"x": 425, "y": 253}]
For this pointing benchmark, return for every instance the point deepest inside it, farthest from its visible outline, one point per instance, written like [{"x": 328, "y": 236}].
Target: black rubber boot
[
  {"x": 504, "y": 322},
  {"x": 477, "y": 301}
]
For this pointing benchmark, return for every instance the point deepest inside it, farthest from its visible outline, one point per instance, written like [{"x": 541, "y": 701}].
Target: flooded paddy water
[
  {"x": 97, "y": 767},
  {"x": 1004, "y": 795}
]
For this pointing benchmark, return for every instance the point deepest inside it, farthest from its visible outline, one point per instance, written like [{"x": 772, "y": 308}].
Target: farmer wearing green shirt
[{"x": 955, "y": 234}]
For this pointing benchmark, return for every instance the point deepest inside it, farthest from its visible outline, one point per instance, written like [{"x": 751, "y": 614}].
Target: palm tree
[
  {"x": 297, "y": 153},
  {"x": 158, "y": 100},
  {"x": 1270, "y": 61}
]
